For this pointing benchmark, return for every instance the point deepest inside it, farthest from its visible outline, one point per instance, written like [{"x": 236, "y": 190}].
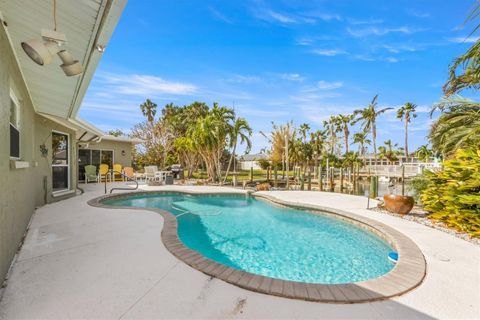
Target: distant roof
[{"x": 253, "y": 157}]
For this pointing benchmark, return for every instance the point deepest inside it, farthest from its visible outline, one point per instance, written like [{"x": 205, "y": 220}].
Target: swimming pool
[{"x": 278, "y": 242}]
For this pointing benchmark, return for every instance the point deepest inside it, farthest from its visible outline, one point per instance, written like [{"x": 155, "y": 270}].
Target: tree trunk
[
  {"x": 363, "y": 155},
  {"x": 230, "y": 161},
  {"x": 346, "y": 140},
  {"x": 406, "y": 136}
]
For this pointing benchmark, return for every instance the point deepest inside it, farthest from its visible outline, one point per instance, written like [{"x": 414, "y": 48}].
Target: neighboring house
[
  {"x": 40, "y": 133},
  {"x": 248, "y": 161}
]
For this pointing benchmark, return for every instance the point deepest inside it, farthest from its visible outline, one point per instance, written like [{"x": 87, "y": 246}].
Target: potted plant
[{"x": 400, "y": 204}]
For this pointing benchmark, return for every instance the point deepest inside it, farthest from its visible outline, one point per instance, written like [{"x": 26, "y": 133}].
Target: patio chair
[
  {"x": 103, "y": 172},
  {"x": 150, "y": 172},
  {"x": 128, "y": 171},
  {"x": 90, "y": 173},
  {"x": 117, "y": 170}
]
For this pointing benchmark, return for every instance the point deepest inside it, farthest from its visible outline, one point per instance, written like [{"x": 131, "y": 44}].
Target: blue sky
[{"x": 280, "y": 60}]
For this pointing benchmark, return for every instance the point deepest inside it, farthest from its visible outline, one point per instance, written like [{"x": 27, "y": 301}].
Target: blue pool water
[{"x": 261, "y": 238}]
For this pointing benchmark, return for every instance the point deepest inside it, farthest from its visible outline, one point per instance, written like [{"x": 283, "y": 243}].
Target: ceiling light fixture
[{"x": 43, "y": 50}]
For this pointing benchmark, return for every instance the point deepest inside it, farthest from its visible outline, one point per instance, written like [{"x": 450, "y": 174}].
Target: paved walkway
[{"x": 85, "y": 262}]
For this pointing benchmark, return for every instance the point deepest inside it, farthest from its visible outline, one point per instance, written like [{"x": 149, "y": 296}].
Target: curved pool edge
[{"x": 408, "y": 273}]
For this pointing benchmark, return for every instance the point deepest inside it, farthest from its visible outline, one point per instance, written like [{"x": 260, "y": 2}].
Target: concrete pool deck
[{"x": 84, "y": 262}]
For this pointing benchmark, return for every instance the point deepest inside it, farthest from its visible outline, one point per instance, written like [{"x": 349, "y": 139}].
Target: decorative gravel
[{"x": 420, "y": 216}]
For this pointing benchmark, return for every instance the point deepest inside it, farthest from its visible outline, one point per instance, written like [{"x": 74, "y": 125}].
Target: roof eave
[{"x": 110, "y": 15}]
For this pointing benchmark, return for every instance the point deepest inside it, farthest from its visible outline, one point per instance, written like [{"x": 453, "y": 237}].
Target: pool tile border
[{"x": 407, "y": 274}]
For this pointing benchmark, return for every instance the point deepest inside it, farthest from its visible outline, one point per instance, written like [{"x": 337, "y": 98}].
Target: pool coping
[{"x": 408, "y": 273}]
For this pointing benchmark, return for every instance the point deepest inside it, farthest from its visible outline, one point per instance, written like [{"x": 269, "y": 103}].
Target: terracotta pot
[{"x": 398, "y": 204}]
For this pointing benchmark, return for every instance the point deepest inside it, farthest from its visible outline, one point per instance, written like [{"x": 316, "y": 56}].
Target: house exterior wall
[
  {"x": 22, "y": 189},
  {"x": 117, "y": 147},
  {"x": 246, "y": 165}
]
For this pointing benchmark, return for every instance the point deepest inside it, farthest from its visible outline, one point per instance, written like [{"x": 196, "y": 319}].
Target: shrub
[
  {"x": 418, "y": 185},
  {"x": 453, "y": 194},
  {"x": 263, "y": 187},
  {"x": 263, "y": 163}
]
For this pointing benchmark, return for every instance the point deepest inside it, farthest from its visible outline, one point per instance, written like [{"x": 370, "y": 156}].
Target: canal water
[{"x": 362, "y": 188}]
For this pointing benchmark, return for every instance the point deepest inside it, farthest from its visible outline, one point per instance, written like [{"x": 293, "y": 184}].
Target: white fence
[{"x": 411, "y": 169}]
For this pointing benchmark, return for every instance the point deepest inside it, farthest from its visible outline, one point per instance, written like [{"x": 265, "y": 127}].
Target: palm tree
[
  {"x": 406, "y": 112},
  {"x": 317, "y": 140},
  {"x": 149, "y": 109},
  {"x": 331, "y": 126},
  {"x": 303, "y": 130},
  {"x": 368, "y": 116},
  {"x": 240, "y": 129},
  {"x": 468, "y": 62},
  {"x": 361, "y": 139},
  {"x": 424, "y": 153},
  {"x": 210, "y": 135},
  {"x": 457, "y": 127},
  {"x": 343, "y": 121},
  {"x": 387, "y": 151},
  {"x": 279, "y": 139}
]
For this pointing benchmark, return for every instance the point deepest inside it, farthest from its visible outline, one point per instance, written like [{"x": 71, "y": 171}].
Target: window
[
  {"x": 14, "y": 127},
  {"x": 60, "y": 161},
  {"x": 93, "y": 157}
]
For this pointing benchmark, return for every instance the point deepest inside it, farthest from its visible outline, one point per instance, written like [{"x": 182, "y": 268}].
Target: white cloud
[
  {"x": 304, "y": 41},
  {"x": 325, "y": 85},
  {"x": 399, "y": 48},
  {"x": 328, "y": 52},
  {"x": 220, "y": 16},
  {"x": 238, "y": 78},
  {"x": 282, "y": 18},
  {"x": 419, "y": 14},
  {"x": 368, "y": 21},
  {"x": 363, "y": 57},
  {"x": 328, "y": 17},
  {"x": 144, "y": 85},
  {"x": 392, "y": 59},
  {"x": 464, "y": 39},
  {"x": 381, "y": 31},
  {"x": 291, "y": 77}
]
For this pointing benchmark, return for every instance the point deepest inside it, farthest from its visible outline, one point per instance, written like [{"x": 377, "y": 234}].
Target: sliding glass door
[
  {"x": 60, "y": 161},
  {"x": 93, "y": 157}
]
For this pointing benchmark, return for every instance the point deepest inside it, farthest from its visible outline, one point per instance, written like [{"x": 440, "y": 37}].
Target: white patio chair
[{"x": 150, "y": 173}]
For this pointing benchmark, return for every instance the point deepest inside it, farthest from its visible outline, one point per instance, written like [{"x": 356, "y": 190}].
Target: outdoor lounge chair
[
  {"x": 117, "y": 170},
  {"x": 104, "y": 172},
  {"x": 90, "y": 173},
  {"x": 152, "y": 174},
  {"x": 128, "y": 171}
]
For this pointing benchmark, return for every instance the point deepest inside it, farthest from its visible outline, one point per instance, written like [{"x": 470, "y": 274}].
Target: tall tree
[
  {"x": 424, "y": 153},
  {"x": 240, "y": 129},
  {"x": 331, "y": 126},
  {"x": 149, "y": 109},
  {"x": 457, "y": 127},
  {"x": 278, "y": 139},
  {"x": 361, "y": 138},
  {"x": 210, "y": 136},
  {"x": 406, "y": 113},
  {"x": 369, "y": 116},
  {"x": 389, "y": 152},
  {"x": 116, "y": 132},
  {"x": 464, "y": 72},
  {"x": 303, "y": 130},
  {"x": 317, "y": 140},
  {"x": 344, "y": 121}
]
